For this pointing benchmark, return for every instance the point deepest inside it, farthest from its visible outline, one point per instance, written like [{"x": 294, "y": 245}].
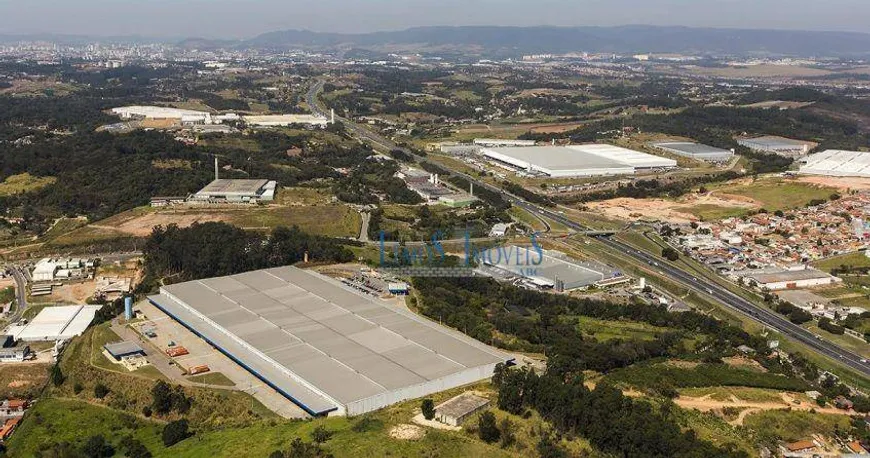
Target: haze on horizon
[{"x": 233, "y": 19}]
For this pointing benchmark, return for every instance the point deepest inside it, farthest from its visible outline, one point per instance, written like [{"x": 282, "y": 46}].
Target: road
[
  {"x": 20, "y": 292},
  {"x": 702, "y": 286}
]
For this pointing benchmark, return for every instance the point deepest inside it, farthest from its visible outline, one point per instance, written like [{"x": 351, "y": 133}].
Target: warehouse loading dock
[{"x": 322, "y": 345}]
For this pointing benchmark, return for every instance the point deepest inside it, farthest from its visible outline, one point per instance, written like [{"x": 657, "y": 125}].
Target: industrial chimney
[{"x": 215, "y": 168}]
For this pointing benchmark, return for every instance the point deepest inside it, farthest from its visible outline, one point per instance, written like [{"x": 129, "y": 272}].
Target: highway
[
  {"x": 20, "y": 292},
  {"x": 702, "y": 286}
]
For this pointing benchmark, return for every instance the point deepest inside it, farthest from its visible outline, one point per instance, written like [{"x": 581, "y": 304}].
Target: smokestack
[
  {"x": 471, "y": 188},
  {"x": 216, "y": 168},
  {"x": 332, "y": 116}
]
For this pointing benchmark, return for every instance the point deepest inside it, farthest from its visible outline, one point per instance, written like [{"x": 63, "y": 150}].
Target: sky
[{"x": 234, "y": 19}]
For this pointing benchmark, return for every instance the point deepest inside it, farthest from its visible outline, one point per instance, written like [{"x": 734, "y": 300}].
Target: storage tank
[{"x": 128, "y": 308}]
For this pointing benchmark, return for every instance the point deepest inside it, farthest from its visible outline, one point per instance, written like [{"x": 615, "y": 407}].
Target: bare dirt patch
[
  {"x": 675, "y": 211},
  {"x": 741, "y": 362},
  {"x": 407, "y": 432},
  {"x": 704, "y": 404},
  {"x": 841, "y": 183},
  {"x": 76, "y": 293},
  {"x": 142, "y": 225}
]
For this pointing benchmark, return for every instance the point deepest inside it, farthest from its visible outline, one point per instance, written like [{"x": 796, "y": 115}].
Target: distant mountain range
[
  {"x": 516, "y": 41},
  {"x": 622, "y": 39}
]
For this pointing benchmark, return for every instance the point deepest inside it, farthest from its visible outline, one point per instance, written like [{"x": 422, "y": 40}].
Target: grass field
[
  {"x": 212, "y": 378},
  {"x": 527, "y": 218},
  {"x": 850, "y": 343},
  {"x": 55, "y": 420},
  {"x": 794, "y": 425},
  {"x": 711, "y": 428},
  {"x": 63, "y": 226},
  {"x": 23, "y": 182},
  {"x": 710, "y": 212},
  {"x": 627, "y": 330},
  {"x": 329, "y": 220},
  {"x": 22, "y": 380},
  {"x": 777, "y": 194},
  {"x": 852, "y": 260}
]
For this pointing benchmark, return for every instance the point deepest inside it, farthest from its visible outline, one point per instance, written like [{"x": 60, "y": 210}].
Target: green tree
[
  {"x": 550, "y": 448},
  {"x": 161, "y": 398},
  {"x": 487, "y": 428},
  {"x": 100, "y": 390},
  {"x": 320, "y": 434},
  {"x": 97, "y": 447},
  {"x": 508, "y": 434},
  {"x": 134, "y": 448},
  {"x": 428, "y": 408},
  {"x": 57, "y": 377},
  {"x": 175, "y": 432},
  {"x": 670, "y": 254}
]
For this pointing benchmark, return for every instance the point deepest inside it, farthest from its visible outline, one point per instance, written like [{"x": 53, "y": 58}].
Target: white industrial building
[
  {"x": 56, "y": 323},
  {"x": 577, "y": 160},
  {"x": 325, "y": 346},
  {"x": 224, "y": 190},
  {"x": 51, "y": 269},
  {"x": 837, "y": 163},
  {"x": 284, "y": 120},
  {"x": 496, "y": 142},
  {"x": 155, "y": 112},
  {"x": 696, "y": 151},
  {"x": 781, "y": 279},
  {"x": 778, "y": 145}
]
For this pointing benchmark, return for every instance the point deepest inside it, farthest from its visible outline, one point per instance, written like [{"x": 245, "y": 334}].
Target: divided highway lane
[{"x": 761, "y": 314}]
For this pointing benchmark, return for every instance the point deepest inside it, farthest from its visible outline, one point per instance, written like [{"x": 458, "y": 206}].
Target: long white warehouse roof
[
  {"x": 155, "y": 112},
  {"x": 578, "y": 160},
  {"x": 323, "y": 345},
  {"x": 837, "y": 163},
  {"x": 625, "y": 156},
  {"x": 57, "y": 323}
]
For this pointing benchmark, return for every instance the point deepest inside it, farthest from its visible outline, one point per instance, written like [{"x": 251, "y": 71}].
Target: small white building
[
  {"x": 456, "y": 410},
  {"x": 499, "y": 230}
]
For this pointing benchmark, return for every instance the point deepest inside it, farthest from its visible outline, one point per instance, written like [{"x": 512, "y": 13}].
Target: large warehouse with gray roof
[
  {"x": 321, "y": 344},
  {"x": 577, "y": 160}
]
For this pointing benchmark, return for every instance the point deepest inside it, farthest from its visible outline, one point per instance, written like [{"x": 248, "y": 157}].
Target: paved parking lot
[{"x": 168, "y": 330}]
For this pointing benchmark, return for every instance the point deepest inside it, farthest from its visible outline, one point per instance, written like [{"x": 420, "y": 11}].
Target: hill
[{"x": 620, "y": 39}]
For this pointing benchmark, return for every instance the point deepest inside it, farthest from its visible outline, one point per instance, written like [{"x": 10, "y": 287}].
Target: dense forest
[{"x": 174, "y": 254}]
